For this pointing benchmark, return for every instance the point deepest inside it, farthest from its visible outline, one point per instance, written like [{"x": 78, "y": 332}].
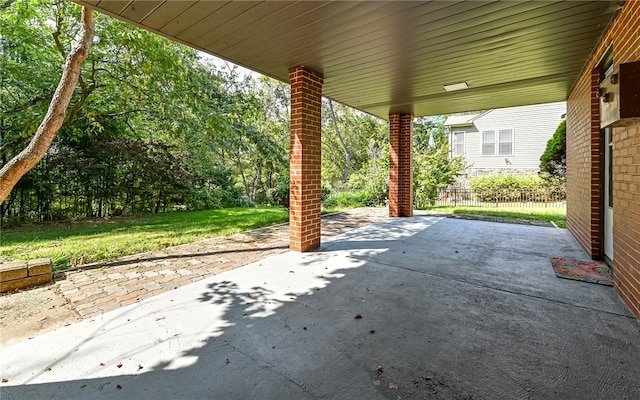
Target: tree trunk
[
  {"x": 247, "y": 191},
  {"x": 12, "y": 171},
  {"x": 4, "y": 153},
  {"x": 256, "y": 183},
  {"x": 347, "y": 153},
  {"x": 5, "y": 208},
  {"x": 88, "y": 210},
  {"x": 158, "y": 203}
]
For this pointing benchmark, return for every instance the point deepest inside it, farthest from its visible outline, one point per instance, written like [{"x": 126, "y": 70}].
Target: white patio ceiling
[{"x": 394, "y": 56}]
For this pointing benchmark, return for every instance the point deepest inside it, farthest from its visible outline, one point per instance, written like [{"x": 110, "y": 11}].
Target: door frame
[
  {"x": 607, "y": 196},
  {"x": 605, "y": 67}
]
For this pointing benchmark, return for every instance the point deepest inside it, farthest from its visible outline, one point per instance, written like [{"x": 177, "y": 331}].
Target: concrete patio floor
[{"x": 450, "y": 309}]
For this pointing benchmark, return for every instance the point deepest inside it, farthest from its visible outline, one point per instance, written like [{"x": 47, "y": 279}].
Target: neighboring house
[{"x": 505, "y": 140}]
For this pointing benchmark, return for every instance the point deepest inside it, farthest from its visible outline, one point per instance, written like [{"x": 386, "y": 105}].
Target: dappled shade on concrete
[{"x": 461, "y": 309}]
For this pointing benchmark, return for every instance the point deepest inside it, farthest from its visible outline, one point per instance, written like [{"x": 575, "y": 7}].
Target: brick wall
[
  {"x": 400, "y": 165},
  {"x": 626, "y": 219},
  {"x": 584, "y": 157},
  {"x": 584, "y": 186},
  {"x": 305, "y": 159}
]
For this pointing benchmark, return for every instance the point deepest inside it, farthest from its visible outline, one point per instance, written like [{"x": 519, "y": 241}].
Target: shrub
[
  {"x": 362, "y": 198},
  {"x": 204, "y": 199},
  {"x": 345, "y": 200},
  {"x": 245, "y": 202},
  {"x": 371, "y": 186},
  {"x": 434, "y": 170},
  {"x": 512, "y": 188},
  {"x": 279, "y": 195},
  {"x": 325, "y": 191},
  {"x": 553, "y": 161}
]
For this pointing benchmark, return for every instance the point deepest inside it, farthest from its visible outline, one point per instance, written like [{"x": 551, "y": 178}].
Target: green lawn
[
  {"x": 105, "y": 240},
  {"x": 556, "y": 214}
]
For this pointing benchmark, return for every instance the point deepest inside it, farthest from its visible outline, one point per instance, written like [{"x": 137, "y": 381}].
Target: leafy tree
[
  {"x": 553, "y": 162},
  {"x": 349, "y": 139},
  {"x": 153, "y": 125},
  {"x": 347, "y": 150},
  {"x": 162, "y": 98},
  {"x": 260, "y": 139},
  {"x": 20, "y": 164},
  {"x": 429, "y": 132},
  {"x": 433, "y": 168},
  {"x": 372, "y": 173}
]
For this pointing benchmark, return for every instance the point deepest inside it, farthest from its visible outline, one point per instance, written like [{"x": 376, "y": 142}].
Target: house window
[
  {"x": 497, "y": 143},
  {"x": 488, "y": 143},
  {"x": 458, "y": 144},
  {"x": 505, "y": 142}
]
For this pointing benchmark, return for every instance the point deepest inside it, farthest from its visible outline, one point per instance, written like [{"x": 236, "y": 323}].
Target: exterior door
[{"x": 608, "y": 193}]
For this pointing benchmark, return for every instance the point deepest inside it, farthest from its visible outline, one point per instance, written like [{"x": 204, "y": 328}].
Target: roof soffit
[{"x": 394, "y": 56}]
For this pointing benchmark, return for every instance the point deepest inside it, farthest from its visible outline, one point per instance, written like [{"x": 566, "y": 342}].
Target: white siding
[{"x": 532, "y": 127}]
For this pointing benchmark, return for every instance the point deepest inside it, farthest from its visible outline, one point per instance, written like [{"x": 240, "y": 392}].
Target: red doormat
[{"x": 586, "y": 271}]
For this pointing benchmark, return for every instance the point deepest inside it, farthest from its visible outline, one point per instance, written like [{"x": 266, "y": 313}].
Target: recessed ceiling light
[{"x": 456, "y": 86}]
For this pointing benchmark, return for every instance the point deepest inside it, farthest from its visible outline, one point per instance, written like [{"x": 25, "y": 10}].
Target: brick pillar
[
  {"x": 400, "y": 165},
  {"x": 305, "y": 159}
]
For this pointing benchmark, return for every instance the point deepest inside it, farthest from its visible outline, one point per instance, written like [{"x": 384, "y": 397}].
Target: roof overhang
[
  {"x": 394, "y": 56},
  {"x": 460, "y": 120}
]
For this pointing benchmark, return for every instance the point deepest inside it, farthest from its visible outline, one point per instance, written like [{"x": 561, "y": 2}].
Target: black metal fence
[{"x": 541, "y": 197}]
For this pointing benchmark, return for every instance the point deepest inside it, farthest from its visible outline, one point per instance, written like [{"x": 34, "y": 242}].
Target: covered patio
[
  {"x": 412, "y": 308},
  {"x": 404, "y": 59},
  {"x": 393, "y": 59}
]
